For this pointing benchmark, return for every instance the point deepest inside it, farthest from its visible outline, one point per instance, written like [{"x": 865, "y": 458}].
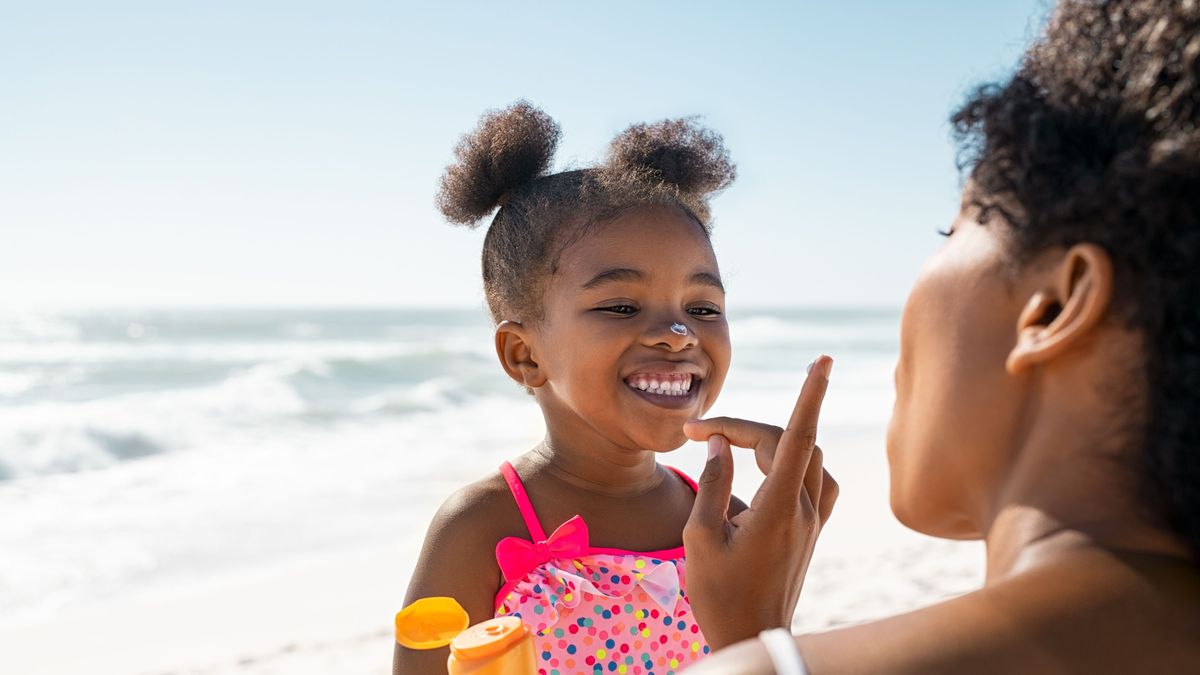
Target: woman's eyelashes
[{"x": 946, "y": 233}]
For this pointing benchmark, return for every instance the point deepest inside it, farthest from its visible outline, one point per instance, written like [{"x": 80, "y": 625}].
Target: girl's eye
[
  {"x": 704, "y": 311},
  {"x": 623, "y": 310},
  {"x": 945, "y": 233}
]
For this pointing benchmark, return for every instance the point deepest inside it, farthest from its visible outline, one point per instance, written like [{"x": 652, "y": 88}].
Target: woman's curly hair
[
  {"x": 504, "y": 162},
  {"x": 1096, "y": 138}
]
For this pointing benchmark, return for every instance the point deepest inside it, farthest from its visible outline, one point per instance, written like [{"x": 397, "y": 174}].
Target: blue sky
[{"x": 245, "y": 153}]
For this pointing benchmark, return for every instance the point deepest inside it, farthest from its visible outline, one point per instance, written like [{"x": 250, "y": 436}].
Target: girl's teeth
[{"x": 669, "y": 386}]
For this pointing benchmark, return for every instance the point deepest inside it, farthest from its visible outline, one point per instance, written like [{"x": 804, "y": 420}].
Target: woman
[{"x": 1048, "y": 389}]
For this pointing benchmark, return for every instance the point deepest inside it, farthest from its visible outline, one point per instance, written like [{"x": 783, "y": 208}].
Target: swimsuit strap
[
  {"x": 522, "y": 499},
  {"x": 526, "y": 507},
  {"x": 686, "y": 478}
]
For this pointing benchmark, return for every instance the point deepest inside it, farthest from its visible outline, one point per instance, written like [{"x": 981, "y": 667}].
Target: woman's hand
[{"x": 745, "y": 573}]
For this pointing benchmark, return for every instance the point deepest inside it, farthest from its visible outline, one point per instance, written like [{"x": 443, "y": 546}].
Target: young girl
[{"x": 609, "y": 310}]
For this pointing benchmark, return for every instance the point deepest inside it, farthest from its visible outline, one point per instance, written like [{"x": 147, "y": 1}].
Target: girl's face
[
  {"x": 614, "y": 367},
  {"x": 957, "y": 408}
]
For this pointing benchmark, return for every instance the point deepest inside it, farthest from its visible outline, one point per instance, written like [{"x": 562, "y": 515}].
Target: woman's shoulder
[{"x": 1100, "y": 611}]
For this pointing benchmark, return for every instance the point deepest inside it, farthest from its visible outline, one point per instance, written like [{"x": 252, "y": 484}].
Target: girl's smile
[{"x": 667, "y": 385}]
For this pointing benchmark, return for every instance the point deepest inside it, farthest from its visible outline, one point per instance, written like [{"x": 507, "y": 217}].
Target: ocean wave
[
  {"x": 324, "y": 374},
  {"x": 58, "y": 436},
  {"x": 64, "y": 436},
  {"x": 440, "y": 393},
  {"x": 32, "y": 326},
  {"x": 62, "y": 352},
  {"x": 74, "y": 404},
  {"x": 870, "y": 331},
  {"x": 15, "y": 383},
  {"x": 69, "y": 449}
]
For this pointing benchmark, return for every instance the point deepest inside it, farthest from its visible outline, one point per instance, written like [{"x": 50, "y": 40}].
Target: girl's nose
[{"x": 672, "y": 333}]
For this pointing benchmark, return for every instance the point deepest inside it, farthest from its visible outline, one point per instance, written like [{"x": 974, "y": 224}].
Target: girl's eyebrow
[
  {"x": 708, "y": 279},
  {"x": 615, "y": 274},
  {"x": 629, "y": 274}
]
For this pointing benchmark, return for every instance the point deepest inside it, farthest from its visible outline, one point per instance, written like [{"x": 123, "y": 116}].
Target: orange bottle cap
[
  {"x": 489, "y": 638},
  {"x": 430, "y": 623}
]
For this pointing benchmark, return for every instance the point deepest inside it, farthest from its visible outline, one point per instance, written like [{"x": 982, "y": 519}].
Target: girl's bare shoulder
[
  {"x": 457, "y": 558},
  {"x": 483, "y": 510}
]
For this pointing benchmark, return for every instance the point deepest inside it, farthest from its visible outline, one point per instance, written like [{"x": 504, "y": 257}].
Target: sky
[{"x": 287, "y": 153}]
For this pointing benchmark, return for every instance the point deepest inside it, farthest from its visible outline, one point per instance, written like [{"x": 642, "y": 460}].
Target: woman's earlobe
[
  {"x": 515, "y": 351},
  {"x": 1060, "y": 316}
]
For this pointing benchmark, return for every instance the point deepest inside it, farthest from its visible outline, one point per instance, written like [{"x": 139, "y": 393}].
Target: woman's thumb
[{"x": 714, "y": 488}]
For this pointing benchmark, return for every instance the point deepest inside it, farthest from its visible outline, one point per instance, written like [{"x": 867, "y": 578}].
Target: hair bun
[
  {"x": 508, "y": 149},
  {"x": 677, "y": 152}
]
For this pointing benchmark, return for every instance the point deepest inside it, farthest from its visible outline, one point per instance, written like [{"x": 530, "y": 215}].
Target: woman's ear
[
  {"x": 1057, "y": 317},
  {"x": 515, "y": 349}
]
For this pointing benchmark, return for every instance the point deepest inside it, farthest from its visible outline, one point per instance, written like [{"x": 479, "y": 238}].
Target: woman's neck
[{"x": 1068, "y": 492}]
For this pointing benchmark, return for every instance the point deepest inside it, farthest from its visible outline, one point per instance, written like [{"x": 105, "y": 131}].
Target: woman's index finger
[
  {"x": 740, "y": 433},
  {"x": 786, "y": 479}
]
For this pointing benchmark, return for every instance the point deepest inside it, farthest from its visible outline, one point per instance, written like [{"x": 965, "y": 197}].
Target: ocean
[{"x": 143, "y": 451}]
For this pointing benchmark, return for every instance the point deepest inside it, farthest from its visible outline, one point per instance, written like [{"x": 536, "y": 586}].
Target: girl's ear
[
  {"x": 1059, "y": 316},
  {"x": 515, "y": 349}
]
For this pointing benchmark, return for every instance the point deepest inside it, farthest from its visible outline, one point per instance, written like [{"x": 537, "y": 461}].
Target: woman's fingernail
[
  {"x": 808, "y": 370},
  {"x": 714, "y": 446}
]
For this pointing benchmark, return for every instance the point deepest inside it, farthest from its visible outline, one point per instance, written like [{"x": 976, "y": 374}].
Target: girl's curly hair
[
  {"x": 1096, "y": 138},
  {"x": 503, "y": 164}
]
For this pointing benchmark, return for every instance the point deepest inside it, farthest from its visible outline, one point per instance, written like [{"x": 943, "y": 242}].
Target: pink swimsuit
[{"x": 596, "y": 610}]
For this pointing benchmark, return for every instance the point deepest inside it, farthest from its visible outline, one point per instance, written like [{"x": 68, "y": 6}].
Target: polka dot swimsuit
[{"x": 596, "y": 610}]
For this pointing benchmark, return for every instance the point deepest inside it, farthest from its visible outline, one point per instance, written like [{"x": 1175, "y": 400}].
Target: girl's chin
[
  {"x": 656, "y": 443},
  {"x": 667, "y": 445}
]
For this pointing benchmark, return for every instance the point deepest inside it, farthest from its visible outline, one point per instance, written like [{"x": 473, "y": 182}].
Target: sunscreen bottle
[{"x": 500, "y": 646}]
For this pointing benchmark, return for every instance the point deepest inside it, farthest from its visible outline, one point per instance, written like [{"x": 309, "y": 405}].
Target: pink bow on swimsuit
[{"x": 518, "y": 557}]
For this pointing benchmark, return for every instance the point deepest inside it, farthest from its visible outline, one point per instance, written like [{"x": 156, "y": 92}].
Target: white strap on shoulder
[{"x": 785, "y": 656}]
